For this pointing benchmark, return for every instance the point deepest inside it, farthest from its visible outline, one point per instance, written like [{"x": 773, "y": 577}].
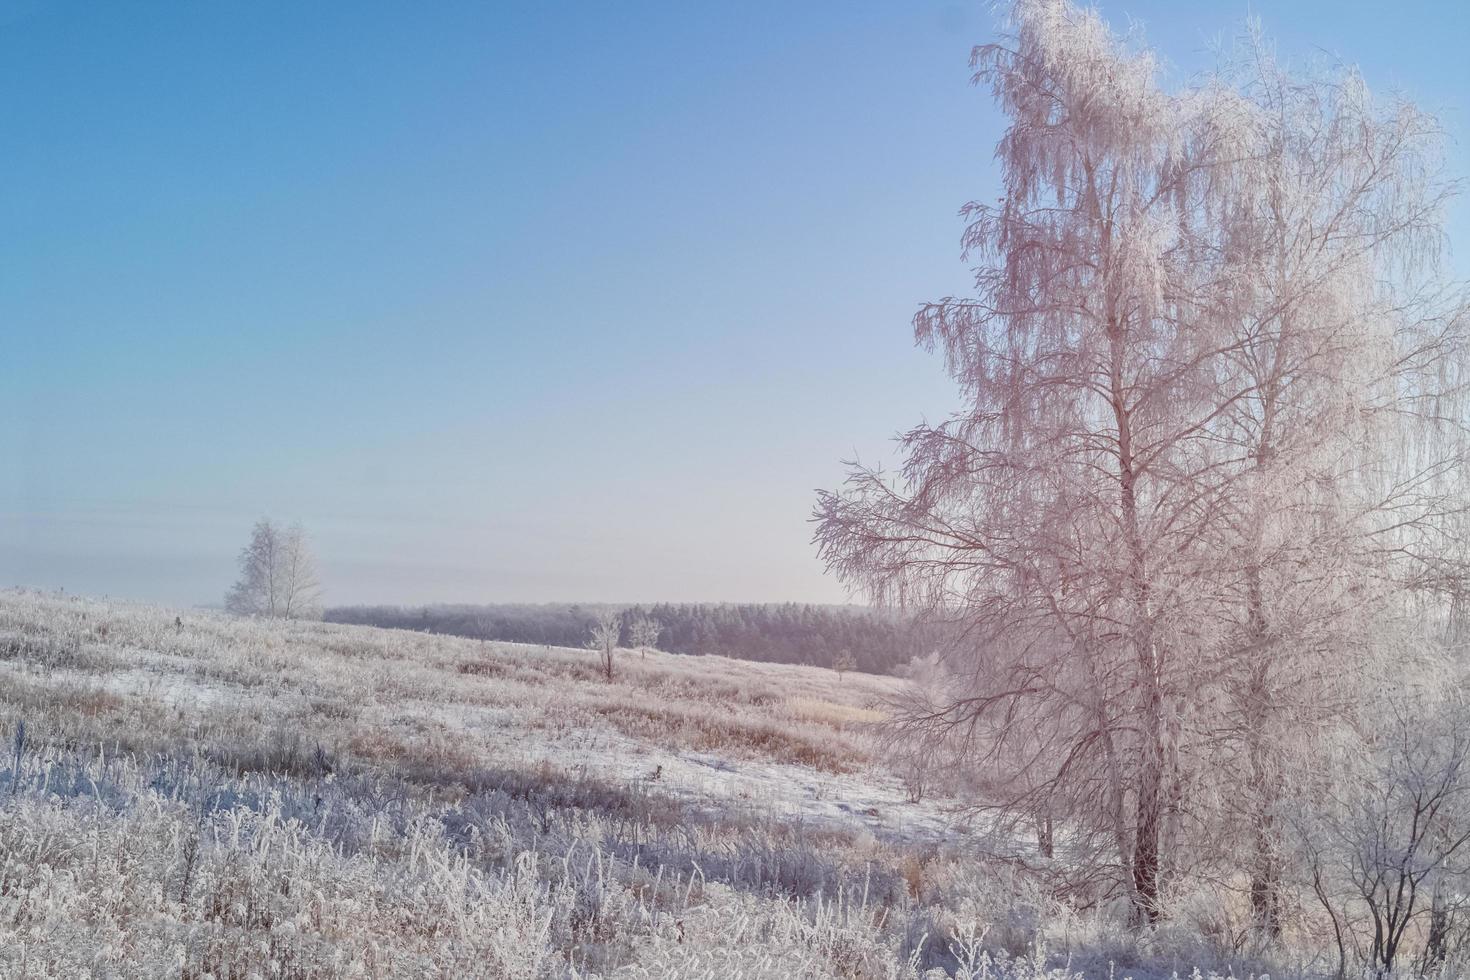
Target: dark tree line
[{"x": 789, "y": 633}]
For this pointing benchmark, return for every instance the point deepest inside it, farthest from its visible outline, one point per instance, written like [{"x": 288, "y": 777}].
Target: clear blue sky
[{"x": 524, "y": 301}]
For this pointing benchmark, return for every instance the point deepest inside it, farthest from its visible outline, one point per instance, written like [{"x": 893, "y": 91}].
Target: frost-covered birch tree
[
  {"x": 1059, "y": 517},
  {"x": 278, "y": 576},
  {"x": 1346, "y": 451},
  {"x": 1210, "y": 440},
  {"x": 643, "y": 633},
  {"x": 606, "y": 634}
]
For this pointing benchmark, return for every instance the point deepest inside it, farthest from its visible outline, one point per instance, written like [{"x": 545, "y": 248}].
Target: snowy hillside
[{"x": 202, "y": 796}]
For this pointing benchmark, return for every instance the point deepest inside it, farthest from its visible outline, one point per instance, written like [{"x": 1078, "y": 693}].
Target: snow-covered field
[{"x": 195, "y": 795}]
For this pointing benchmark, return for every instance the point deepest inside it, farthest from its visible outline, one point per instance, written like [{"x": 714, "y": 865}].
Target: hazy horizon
[{"x": 564, "y": 303}]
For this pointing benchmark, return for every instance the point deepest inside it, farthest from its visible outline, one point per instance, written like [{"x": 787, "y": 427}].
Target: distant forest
[{"x": 789, "y": 633}]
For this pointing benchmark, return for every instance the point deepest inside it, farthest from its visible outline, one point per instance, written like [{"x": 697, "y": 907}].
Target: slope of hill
[{"x": 197, "y": 796}]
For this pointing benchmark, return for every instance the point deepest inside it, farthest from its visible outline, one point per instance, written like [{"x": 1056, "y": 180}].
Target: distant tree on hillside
[
  {"x": 643, "y": 634},
  {"x": 278, "y": 576},
  {"x": 843, "y": 663},
  {"x": 604, "y": 640}
]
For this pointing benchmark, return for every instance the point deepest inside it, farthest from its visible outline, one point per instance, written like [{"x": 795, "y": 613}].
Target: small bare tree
[
  {"x": 606, "y": 633},
  {"x": 278, "y": 577},
  {"x": 644, "y": 634},
  {"x": 843, "y": 664},
  {"x": 1387, "y": 845}
]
